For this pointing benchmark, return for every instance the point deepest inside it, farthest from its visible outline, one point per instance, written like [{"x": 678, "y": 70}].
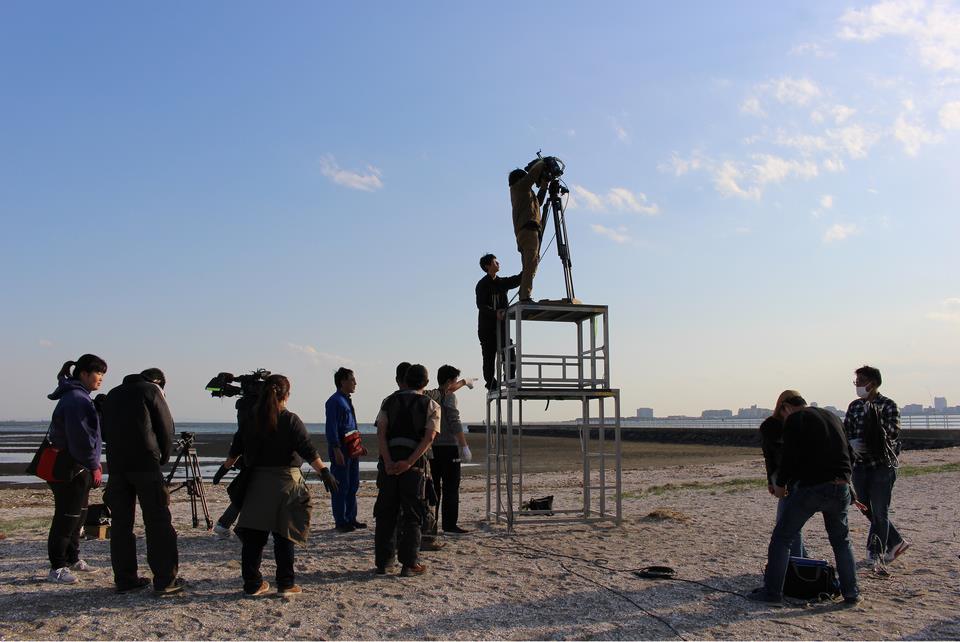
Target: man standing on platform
[
  {"x": 139, "y": 432},
  {"x": 341, "y": 419},
  {"x": 526, "y": 220},
  {"x": 872, "y": 425},
  {"x": 491, "y": 303}
]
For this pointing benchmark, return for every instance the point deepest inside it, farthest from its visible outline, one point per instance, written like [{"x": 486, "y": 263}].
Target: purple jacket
[{"x": 76, "y": 424}]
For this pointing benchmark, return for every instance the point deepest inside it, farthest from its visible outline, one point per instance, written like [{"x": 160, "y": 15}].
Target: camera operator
[
  {"x": 526, "y": 218},
  {"x": 139, "y": 432},
  {"x": 491, "y": 293},
  {"x": 245, "y": 406},
  {"x": 406, "y": 426}
]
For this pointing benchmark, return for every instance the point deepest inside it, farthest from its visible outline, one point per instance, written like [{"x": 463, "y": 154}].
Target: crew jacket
[
  {"x": 137, "y": 426},
  {"x": 450, "y": 425},
  {"x": 75, "y": 425},
  {"x": 771, "y": 440},
  {"x": 526, "y": 207},
  {"x": 815, "y": 450},
  {"x": 341, "y": 419},
  {"x": 492, "y": 296}
]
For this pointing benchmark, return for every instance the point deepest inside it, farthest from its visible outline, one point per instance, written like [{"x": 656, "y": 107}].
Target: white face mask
[{"x": 862, "y": 392}]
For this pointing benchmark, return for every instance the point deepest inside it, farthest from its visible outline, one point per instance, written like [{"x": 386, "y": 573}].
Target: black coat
[{"x": 137, "y": 426}]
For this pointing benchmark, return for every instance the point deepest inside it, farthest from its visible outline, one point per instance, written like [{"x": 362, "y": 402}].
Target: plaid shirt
[{"x": 889, "y": 415}]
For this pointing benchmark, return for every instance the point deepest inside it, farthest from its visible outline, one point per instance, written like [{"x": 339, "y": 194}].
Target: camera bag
[
  {"x": 53, "y": 464},
  {"x": 810, "y": 579}
]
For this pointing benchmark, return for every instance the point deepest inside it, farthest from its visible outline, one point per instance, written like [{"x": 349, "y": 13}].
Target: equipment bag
[
  {"x": 53, "y": 464},
  {"x": 353, "y": 445},
  {"x": 810, "y": 579}
]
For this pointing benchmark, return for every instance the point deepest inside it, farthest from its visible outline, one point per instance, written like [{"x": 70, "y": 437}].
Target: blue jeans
[
  {"x": 801, "y": 504},
  {"x": 874, "y": 488},
  {"x": 797, "y": 549},
  {"x": 344, "y": 500}
]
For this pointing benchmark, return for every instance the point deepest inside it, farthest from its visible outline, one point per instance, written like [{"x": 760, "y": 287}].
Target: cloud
[
  {"x": 368, "y": 182},
  {"x": 45, "y": 343},
  {"x": 727, "y": 178},
  {"x": 950, "y": 115},
  {"x": 811, "y": 48},
  {"x": 932, "y": 30},
  {"x": 622, "y": 134},
  {"x": 774, "y": 169},
  {"x": 855, "y": 140},
  {"x": 840, "y": 232},
  {"x": 618, "y": 235},
  {"x": 826, "y": 201},
  {"x": 841, "y": 113},
  {"x": 680, "y": 166},
  {"x": 318, "y": 357},
  {"x": 617, "y": 198},
  {"x": 913, "y": 135},
  {"x": 752, "y": 107},
  {"x": 949, "y": 311},
  {"x": 833, "y": 165},
  {"x": 793, "y": 91}
]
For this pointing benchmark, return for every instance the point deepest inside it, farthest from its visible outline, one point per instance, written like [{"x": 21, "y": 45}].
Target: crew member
[
  {"x": 449, "y": 449},
  {"x": 872, "y": 424},
  {"x": 814, "y": 476},
  {"x": 771, "y": 438},
  {"x": 526, "y": 220},
  {"x": 491, "y": 293},
  {"x": 406, "y": 426},
  {"x": 139, "y": 432},
  {"x": 341, "y": 419}
]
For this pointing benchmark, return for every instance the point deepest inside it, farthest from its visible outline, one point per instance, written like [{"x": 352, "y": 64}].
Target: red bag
[
  {"x": 353, "y": 445},
  {"x": 53, "y": 464}
]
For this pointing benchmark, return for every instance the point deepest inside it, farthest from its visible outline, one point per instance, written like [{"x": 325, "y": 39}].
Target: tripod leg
[{"x": 201, "y": 493}]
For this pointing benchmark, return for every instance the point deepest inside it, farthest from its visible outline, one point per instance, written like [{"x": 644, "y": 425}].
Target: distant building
[
  {"x": 753, "y": 412},
  {"x": 912, "y": 409},
  {"x": 939, "y": 404},
  {"x": 644, "y": 413},
  {"x": 716, "y": 414}
]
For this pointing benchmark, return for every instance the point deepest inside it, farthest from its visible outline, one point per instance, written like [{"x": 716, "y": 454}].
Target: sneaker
[
  {"x": 82, "y": 567},
  {"x": 174, "y": 587},
  {"x": 761, "y": 595},
  {"x": 853, "y": 600},
  {"x": 61, "y": 575},
  {"x": 410, "y": 571},
  {"x": 432, "y": 545},
  {"x": 264, "y": 587},
  {"x": 222, "y": 531},
  {"x": 456, "y": 530},
  {"x": 290, "y": 590},
  {"x": 346, "y": 528},
  {"x": 141, "y": 582},
  {"x": 357, "y": 524},
  {"x": 897, "y": 551},
  {"x": 381, "y": 570}
]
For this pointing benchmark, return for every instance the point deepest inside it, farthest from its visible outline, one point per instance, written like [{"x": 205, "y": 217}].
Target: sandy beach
[{"x": 710, "y": 520}]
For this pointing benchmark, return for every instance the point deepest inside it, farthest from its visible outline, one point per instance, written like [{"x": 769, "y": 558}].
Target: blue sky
[{"x": 764, "y": 194}]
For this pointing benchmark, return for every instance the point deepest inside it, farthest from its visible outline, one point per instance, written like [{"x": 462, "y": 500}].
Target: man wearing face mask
[{"x": 872, "y": 425}]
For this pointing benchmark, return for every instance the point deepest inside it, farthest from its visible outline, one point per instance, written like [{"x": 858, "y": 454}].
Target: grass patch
[
  {"x": 748, "y": 483},
  {"x": 11, "y": 526}
]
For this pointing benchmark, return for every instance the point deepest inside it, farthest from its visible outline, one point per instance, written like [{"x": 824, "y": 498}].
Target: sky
[{"x": 764, "y": 194}]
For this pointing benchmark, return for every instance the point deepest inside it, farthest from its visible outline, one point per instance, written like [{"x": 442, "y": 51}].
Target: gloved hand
[
  {"x": 328, "y": 481},
  {"x": 465, "y": 455},
  {"x": 97, "y": 477},
  {"x": 219, "y": 474}
]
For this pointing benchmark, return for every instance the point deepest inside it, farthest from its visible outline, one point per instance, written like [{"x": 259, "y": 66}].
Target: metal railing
[{"x": 907, "y": 422}]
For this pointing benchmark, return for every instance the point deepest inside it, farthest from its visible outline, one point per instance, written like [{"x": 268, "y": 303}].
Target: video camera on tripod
[
  {"x": 192, "y": 477},
  {"x": 553, "y": 169}
]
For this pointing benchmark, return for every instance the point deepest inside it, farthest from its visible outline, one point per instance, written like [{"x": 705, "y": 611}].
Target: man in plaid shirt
[{"x": 872, "y": 424}]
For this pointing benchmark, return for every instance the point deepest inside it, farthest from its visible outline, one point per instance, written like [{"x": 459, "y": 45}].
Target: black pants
[
  {"x": 229, "y": 516},
  {"x": 124, "y": 490},
  {"x": 70, "y": 500},
  {"x": 251, "y": 555},
  {"x": 400, "y": 510},
  {"x": 446, "y": 480},
  {"x": 488, "y": 348}
]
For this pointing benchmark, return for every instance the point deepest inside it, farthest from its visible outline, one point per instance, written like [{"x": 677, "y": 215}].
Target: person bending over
[
  {"x": 139, "y": 432},
  {"x": 406, "y": 426},
  {"x": 491, "y": 294},
  {"x": 771, "y": 438},
  {"x": 277, "y": 500},
  {"x": 342, "y": 419}
]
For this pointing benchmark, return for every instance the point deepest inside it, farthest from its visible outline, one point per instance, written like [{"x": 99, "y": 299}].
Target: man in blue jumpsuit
[{"x": 341, "y": 419}]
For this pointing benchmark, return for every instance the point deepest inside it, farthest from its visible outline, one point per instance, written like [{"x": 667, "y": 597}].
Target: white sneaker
[
  {"x": 222, "y": 531},
  {"x": 83, "y": 567},
  {"x": 897, "y": 551},
  {"x": 61, "y": 576}
]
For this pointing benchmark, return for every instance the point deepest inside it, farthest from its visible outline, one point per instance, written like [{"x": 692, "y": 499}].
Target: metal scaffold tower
[{"x": 583, "y": 377}]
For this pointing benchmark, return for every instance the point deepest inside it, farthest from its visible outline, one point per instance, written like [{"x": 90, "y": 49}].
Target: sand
[{"x": 712, "y": 523}]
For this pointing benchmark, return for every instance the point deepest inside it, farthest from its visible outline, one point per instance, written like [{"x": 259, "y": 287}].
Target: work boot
[{"x": 416, "y": 569}]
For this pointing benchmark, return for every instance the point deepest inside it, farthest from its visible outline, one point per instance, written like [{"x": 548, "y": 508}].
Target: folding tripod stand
[{"x": 192, "y": 478}]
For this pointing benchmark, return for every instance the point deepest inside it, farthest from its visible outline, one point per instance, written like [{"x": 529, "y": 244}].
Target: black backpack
[{"x": 809, "y": 579}]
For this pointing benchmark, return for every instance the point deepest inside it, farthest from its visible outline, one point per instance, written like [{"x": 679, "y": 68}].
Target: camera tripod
[
  {"x": 192, "y": 479},
  {"x": 554, "y": 201}
]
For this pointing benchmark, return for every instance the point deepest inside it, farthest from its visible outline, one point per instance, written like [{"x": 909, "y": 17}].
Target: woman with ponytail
[
  {"x": 277, "y": 501},
  {"x": 75, "y": 428}
]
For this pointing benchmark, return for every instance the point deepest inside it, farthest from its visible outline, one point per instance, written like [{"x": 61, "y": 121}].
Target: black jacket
[
  {"x": 771, "y": 438},
  {"x": 815, "y": 449},
  {"x": 492, "y": 296},
  {"x": 137, "y": 426}
]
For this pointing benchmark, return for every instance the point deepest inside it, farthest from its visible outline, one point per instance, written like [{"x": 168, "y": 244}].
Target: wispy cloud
[
  {"x": 826, "y": 201},
  {"x": 812, "y": 49},
  {"x": 617, "y": 198},
  {"x": 367, "y": 182},
  {"x": 793, "y": 91},
  {"x": 855, "y": 140},
  {"x": 751, "y": 106},
  {"x": 679, "y": 166},
  {"x": 318, "y": 357},
  {"x": 618, "y": 235},
  {"x": 950, "y": 115},
  {"x": 768, "y": 168},
  {"x": 727, "y": 179},
  {"x": 912, "y": 134},
  {"x": 840, "y": 232},
  {"x": 619, "y": 130},
  {"x": 949, "y": 310}
]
